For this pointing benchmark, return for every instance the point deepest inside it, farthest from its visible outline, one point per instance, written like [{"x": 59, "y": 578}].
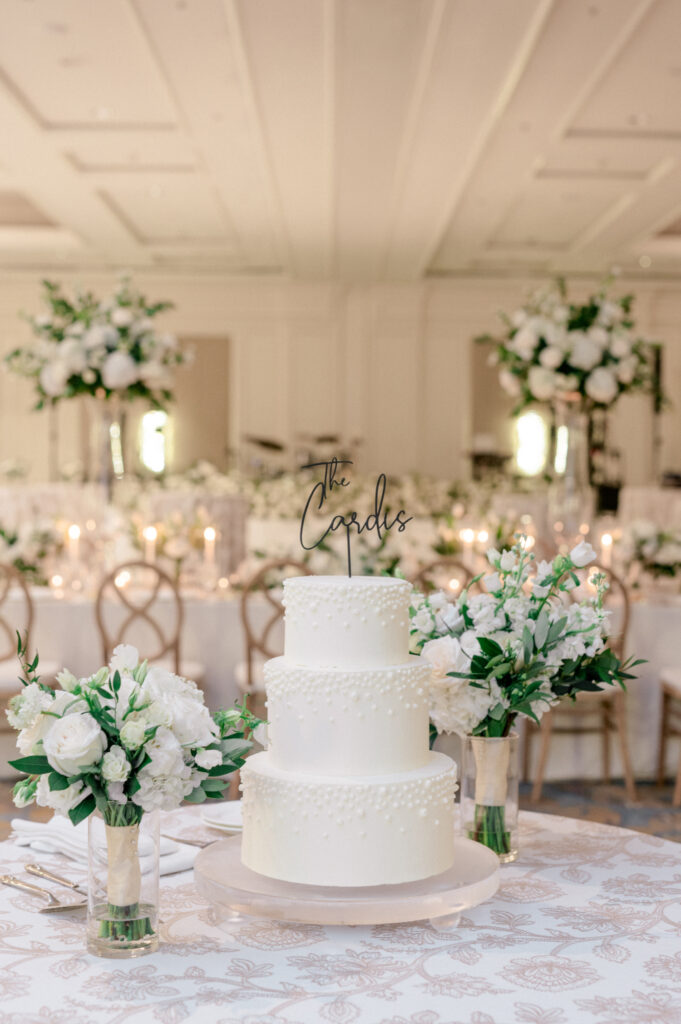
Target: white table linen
[{"x": 584, "y": 930}]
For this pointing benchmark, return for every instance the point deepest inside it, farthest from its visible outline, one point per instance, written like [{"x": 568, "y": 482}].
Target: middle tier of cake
[{"x": 332, "y": 721}]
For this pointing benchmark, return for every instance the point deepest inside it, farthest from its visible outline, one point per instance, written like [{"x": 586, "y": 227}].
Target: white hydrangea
[
  {"x": 190, "y": 719},
  {"x": 166, "y": 780}
]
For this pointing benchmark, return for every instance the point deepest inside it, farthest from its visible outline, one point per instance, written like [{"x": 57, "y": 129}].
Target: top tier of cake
[{"x": 341, "y": 621}]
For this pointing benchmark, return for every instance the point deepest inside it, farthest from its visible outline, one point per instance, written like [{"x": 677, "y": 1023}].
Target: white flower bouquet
[
  {"x": 653, "y": 550},
  {"x": 513, "y": 651},
  {"x": 126, "y": 741},
  {"x": 553, "y": 349},
  {"x": 84, "y": 346},
  {"x": 29, "y": 548}
]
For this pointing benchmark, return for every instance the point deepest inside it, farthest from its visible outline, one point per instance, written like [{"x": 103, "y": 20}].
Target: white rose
[
  {"x": 133, "y": 732},
  {"x": 74, "y": 742},
  {"x": 125, "y": 658},
  {"x": 54, "y": 377},
  {"x": 509, "y": 383},
  {"x": 119, "y": 371},
  {"x": 115, "y": 765},
  {"x": 542, "y": 383},
  {"x": 60, "y": 800},
  {"x": 212, "y": 758},
  {"x": 122, "y": 316},
  {"x": 601, "y": 386},
  {"x": 551, "y": 357},
  {"x": 582, "y": 554},
  {"x": 444, "y": 655},
  {"x": 63, "y": 703},
  {"x": 190, "y": 720},
  {"x": 585, "y": 354}
]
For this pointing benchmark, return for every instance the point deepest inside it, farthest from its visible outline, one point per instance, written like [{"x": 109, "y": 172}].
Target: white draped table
[
  {"x": 65, "y": 631},
  {"x": 586, "y": 927}
]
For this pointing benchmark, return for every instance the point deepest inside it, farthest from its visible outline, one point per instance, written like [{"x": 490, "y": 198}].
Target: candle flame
[{"x": 74, "y": 531}]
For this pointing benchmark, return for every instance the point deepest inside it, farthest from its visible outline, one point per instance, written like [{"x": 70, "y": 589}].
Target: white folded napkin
[{"x": 59, "y": 836}]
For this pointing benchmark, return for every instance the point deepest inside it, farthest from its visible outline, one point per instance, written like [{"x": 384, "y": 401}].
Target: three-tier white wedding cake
[{"x": 347, "y": 792}]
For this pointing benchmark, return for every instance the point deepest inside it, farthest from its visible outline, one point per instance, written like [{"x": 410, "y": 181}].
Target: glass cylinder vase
[
  {"x": 104, "y": 461},
  {"x": 123, "y": 870},
  {"x": 489, "y": 793},
  {"x": 570, "y": 494}
]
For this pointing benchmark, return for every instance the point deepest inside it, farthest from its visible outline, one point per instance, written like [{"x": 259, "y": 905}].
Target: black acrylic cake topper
[{"x": 376, "y": 520}]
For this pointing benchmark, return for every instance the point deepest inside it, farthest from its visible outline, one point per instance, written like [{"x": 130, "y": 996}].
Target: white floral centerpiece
[
  {"x": 652, "y": 549},
  {"x": 127, "y": 741},
  {"x": 29, "y": 547},
  {"x": 512, "y": 652},
  {"x": 106, "y": 348},
  {"x": 552, "y": 348}
]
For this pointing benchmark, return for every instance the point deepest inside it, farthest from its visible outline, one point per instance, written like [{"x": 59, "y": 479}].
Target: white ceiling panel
[
  {"x": 180, "y": 210},
  {"x": 75, "y": 62},
  {"x": 129, "y": 152}
]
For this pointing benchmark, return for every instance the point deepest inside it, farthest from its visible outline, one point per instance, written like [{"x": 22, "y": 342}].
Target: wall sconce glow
[
  {"x": 530, "y": 455},
  {"x": 560, "y": 460},
  {"x": 153, "y": 440}
]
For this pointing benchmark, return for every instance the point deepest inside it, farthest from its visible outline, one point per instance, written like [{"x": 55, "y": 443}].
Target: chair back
[
  {"x": 258, "y": 632},
  {"x": 447, "y": 573},
  {"x": 137, "y": 599},
  {"x": 14, "y": 619},
  {"x": 616, "y": 600}
]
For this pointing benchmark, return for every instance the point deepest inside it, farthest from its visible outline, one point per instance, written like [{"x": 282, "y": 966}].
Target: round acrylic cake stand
[{"x": 225, "y": 881}]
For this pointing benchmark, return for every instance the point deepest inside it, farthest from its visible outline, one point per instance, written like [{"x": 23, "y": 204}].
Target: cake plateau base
[{"x": 225, "y": 881}]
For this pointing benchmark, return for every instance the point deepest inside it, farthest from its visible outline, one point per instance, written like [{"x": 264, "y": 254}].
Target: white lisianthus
[
  {"x": 551, "y": 357},
  {"x": 261, "y": 735},
  {"x": 119, "y": 371},
  {"x": 133, "y": 732},
  {"x": 544, "y": 570},
  {"x": 601, "y": 385},
  {"x": 125, "y": 658},
  {"x": 542, "y": 383},
  {"x": 67, "y": 681},
  {"x": 61, "y": 800},
  {"x": 115, "y": 765},
  {"x": 582, "y": 554},
  {"x": 212, "y": 758},
  {"x": 74, "y": 742},
  {"x": 507, "y": 561}
]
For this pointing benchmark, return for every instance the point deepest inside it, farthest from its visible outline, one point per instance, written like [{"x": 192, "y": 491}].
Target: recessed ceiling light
[{"x": 645, "y": 261}]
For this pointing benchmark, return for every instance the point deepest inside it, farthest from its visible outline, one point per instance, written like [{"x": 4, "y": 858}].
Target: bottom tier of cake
[{"x": 354, "y": 831}]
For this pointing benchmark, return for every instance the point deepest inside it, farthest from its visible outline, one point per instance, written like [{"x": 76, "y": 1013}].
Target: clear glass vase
[
  {"x": 104, "y": 460},
  {"x": 489, "y": 793},
  {"x": 570, "y": 494},
  {"x": 123, "y": 870}
]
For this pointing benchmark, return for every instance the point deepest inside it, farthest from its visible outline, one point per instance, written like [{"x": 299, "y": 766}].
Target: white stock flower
[
  {"x": 542, "y": 383},
  {"x": 492, "y": 582},
  {"x": 119, "y": 371},
  {"x": 507, "y": 561},
  {"x": 212, "y": 758},
  {"x": 29, "y": 737},
  {"x": 582, "y": 554},
  {"x": 74, "y": 742},
  {"x": 585, "y": 354},
  {"x": 601, "y": 385},
  {"x": 60, "y": 800},
  {"x": 125, "y": 658},
  {"x": 544, "y": 570},
  {"x": 25, "y": 708},
  {"x": 115, "y": 765}
]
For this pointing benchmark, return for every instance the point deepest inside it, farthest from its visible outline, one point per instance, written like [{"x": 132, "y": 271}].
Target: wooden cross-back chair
[
  {"x": 446, "y": 564},
  {"x": 608, "y": 706},
  {"x": 258, "y": 634},
  {"x": 144, "y": 586}
]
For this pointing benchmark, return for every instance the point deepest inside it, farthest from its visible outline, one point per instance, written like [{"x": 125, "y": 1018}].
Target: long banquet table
[
  {"x": 585, "y": 927},
  {"x": 65, "y": 631}
]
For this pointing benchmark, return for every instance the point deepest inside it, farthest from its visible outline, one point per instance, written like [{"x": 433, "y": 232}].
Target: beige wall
[{"x": 393, "y": 364}]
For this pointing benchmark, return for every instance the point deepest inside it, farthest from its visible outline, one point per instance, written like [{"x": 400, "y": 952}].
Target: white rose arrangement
[
  {"x": 84, "y": 346},
  {"x": 552, "y": 349},
  {"x": 653, "y": 550}
]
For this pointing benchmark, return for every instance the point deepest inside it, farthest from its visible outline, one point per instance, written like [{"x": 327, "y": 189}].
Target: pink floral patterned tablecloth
[{"x": 586, "y": 927}]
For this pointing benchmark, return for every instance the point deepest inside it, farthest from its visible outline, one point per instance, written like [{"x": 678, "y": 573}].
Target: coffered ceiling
[{"x": 366, "y": 139}]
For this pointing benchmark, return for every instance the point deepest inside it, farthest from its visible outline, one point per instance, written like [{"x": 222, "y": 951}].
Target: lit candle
[
  {"x": 209, "y": 535},
  {"x": 150, "y": 533},
  {"x": 606, "y": 550},
  {"x": 73, "y": 534},
  {"x": 467, "y": 537}
]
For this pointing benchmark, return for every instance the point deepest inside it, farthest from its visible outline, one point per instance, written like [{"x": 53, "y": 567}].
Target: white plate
[{"x": 226, "y": 817}]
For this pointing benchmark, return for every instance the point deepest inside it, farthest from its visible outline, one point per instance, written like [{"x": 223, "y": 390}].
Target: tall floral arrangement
[
  {"x": 652, "y": 549},
  {"x": 513, "y": 651},
  {"x": 110, "y": 347},
  {"x": 552, "y": 348}
]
